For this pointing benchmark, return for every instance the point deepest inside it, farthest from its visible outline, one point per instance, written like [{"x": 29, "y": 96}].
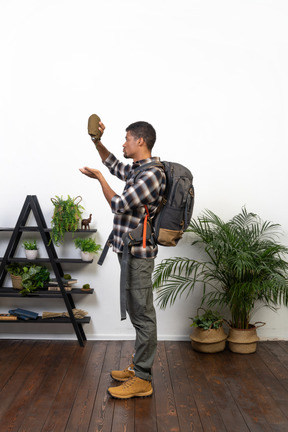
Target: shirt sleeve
[
  {"x": 145, "y": 190},
  {"x": 117, "y": 168}
]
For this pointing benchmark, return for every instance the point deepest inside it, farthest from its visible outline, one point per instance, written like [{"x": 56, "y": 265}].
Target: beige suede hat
[{"x": 93, "y": 124}]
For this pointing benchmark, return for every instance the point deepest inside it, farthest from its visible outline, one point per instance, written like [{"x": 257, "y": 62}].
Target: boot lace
[{"x": 129, "y": 382}]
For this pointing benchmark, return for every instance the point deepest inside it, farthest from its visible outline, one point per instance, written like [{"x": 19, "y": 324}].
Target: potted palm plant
[
  {"x": 88, "y": 247},
  {"x": 243, "y": 265}
]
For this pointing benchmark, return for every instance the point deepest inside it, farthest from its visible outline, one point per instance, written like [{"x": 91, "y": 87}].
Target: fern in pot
[
  {"x": 88, "y": 247},
  {"x": 66, "y": 217},
  {"x": 244, "y": 265}
]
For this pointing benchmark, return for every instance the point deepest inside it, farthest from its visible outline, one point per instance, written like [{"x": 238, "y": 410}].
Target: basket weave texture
[
  {"x": 243, "y": 341},
  {"x": 208, "y": 336},
  {"x": 208, "y": 341},
  {"x": 209, "y": 348},
  {"x": 16, "y": 281},
  {"x": 243, "y": 336}
]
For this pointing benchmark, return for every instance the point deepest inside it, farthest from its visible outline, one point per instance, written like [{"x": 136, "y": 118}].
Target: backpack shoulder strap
[
  {"x": 148, "y": 165},
  {"x": 108, "y": 243}
]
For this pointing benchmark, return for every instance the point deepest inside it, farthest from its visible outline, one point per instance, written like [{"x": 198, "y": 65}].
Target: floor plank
[
  {"x": 11, "y": 355},
  {"x": 61, "y": 407},
  {"x": 102, "y": 415},
  {"x": 186, "y": 407},
  {"x": 210, "y": 417},
  {"x": 167, "y": 420},
  {"x": 38, "y": 411},
  {"x": 228, "y": 409},
  {"x": 274, "y": 386},
  {"x": 84, "y": 403},
  {"x": 57, "y": 386},
  {"x": 247, "y": 391},
  {"x": 123, "y": 419}
]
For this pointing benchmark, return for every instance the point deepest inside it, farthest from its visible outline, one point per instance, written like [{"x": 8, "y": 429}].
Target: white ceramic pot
[
  {"x": 86, "y": 256},
  {"x": 31, "y": 254}
]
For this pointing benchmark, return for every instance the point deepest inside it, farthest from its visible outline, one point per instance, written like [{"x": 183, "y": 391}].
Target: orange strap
[{"x": 145, "y": 227}]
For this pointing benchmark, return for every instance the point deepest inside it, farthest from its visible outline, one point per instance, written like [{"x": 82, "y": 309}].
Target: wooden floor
[{"x": 59, "y": 386}]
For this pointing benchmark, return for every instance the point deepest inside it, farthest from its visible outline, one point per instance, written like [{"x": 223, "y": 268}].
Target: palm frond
[{"x": 244, "y": 264}]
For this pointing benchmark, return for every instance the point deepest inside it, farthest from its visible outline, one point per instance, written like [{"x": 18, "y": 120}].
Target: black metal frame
[{"x": 31, "y": 204}]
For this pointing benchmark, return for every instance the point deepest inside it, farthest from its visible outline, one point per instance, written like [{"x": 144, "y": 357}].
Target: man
[{"x": 144, "y": 189}]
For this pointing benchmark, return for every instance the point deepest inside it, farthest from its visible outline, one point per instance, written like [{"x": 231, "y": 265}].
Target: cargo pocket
[{"x": 139, "y": 287}]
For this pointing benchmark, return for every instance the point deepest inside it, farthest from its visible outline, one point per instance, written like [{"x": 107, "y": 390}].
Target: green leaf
[{"x": 243, "y": 264}]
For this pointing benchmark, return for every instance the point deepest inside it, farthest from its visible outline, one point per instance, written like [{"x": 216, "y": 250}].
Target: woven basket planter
[
  {"x": 243, "y": 341},
  {"x": 16, "y": 281},
  {"x": 208, "y": 341}
]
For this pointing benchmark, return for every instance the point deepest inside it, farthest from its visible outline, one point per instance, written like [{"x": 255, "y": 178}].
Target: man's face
[{"x": 130, "y": 147}]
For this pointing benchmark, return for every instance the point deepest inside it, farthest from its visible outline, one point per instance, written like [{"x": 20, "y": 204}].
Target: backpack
[
  {"x": 175, "y": 211},
  {"x": 173, "y": 215}
]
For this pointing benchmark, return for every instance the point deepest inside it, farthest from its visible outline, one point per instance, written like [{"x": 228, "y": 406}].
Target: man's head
[{"x": 143, "y": 130}]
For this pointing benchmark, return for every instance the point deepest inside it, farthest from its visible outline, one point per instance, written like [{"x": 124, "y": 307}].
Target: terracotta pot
[{"x": 208, "y": 341}]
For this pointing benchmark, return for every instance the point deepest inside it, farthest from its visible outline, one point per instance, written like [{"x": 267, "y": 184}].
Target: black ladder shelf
[{"x": 31, "y": 204}]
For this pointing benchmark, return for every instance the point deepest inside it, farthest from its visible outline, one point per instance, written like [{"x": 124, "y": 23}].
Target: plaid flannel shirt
[{"x": 128, "y": 208}]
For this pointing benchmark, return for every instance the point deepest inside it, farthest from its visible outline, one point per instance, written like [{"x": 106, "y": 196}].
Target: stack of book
[{"x": 53, "y": 285}]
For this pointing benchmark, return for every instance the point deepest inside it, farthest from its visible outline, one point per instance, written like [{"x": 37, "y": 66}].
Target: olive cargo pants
[{"x": 140, "y": 308}]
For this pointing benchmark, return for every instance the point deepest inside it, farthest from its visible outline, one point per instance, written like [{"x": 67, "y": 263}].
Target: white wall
[{"x": 211, "y": 76}]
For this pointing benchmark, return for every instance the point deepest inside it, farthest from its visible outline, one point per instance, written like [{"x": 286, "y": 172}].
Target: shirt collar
[{"x": 144, "y": 161}]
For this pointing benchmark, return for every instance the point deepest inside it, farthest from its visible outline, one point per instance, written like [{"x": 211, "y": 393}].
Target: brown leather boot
[
  {"x": 134, "y": 387},
  {"x": 123, "y": 375}
]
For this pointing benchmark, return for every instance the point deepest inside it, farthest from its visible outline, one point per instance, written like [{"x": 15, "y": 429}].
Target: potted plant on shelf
[
  {"x": 208, "y": 334},
  {"x": 86, "y": 287},
  {"x": 88, "y": 247},
  {"x": 244, "y": 265},
  {"x": 33, "y": 277},
  {"x": 31, "y": 249},
  {"x": 66, "y": 217},
  {"x": 29, "y": 277},
  {"x": 15, "y": 271}
]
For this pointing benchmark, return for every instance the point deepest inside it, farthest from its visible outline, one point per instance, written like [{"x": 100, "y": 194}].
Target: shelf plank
[
  {"x": 47, "y": 260},
  {"x": 43, "y": 293},
  {"x": 39, "y": 320},
  {"x": 36, "y": 228}
]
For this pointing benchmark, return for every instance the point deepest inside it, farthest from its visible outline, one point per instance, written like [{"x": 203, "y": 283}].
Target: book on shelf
[
  {"x": 65, "y": 281},
  {"x": 23, "y": 314},
  {"x": 8, "y": 317},
  {"x": 57, "y": 288}
]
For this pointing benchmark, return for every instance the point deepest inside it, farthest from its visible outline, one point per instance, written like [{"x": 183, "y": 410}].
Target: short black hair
[{"x": 142, "y": 129}]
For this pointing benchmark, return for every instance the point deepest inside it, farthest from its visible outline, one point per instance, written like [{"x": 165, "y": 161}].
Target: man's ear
[{"x": 141, "y": 141}]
